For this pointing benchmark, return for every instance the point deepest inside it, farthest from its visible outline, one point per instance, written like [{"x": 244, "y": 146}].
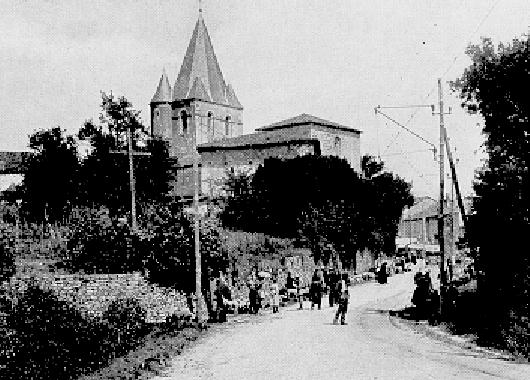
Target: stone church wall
[
  {"x": 349, "y": 144},
  {"x": 216, "y": 164}
]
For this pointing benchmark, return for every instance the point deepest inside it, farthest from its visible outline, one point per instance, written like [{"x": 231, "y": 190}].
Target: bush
[
  {"x": 100, "y": 243},
  {"x": 125, "y": 319},
  {"x": 50, "y": 339},
  {"x": 168, "y": 242},
  {"x": 7, "y": 262}
]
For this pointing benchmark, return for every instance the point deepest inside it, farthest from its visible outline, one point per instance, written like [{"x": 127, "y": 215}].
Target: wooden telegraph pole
[
  {"x": 132, "y": 183},
  {"x": 441, "y": 239}
]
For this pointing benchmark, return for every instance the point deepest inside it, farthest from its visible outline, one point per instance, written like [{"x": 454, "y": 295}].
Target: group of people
[{"x": 333, "y": 283}]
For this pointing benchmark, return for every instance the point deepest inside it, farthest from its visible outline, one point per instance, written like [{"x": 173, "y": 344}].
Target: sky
[{"x": 336, "y": 60}]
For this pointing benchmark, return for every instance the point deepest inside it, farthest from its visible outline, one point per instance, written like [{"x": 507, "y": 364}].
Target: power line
[{"x": 453, "y": 61}]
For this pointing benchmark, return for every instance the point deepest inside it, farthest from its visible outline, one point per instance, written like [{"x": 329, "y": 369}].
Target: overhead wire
[{"x": 415, "y": 112}]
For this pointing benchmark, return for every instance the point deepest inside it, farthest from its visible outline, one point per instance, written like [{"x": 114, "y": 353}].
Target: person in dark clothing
[
  {"x": 332, "y": 287},
  {"x": 316, "y": 291},
  {"x": 382, "y": 276},
  {"x": 343, "y": 299},
  {"x": 222, "y": 296},
  {"x": 254, "y": 299},
  {"x": 290, "y": 281}
]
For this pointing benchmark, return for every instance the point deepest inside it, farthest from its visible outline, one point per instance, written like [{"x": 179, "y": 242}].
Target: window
[
  {"x": 337, "y": 145},
  {"x": 184, "y": 122},
  {"x": 227, "y": 126},
  {"x": 210, "y": 126}
]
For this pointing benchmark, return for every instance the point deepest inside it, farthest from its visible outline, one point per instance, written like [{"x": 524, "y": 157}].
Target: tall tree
[
  {"x": 324, "y": 201},
  {"x": 496, "y": 86},
  {"x": 105, "y": 173},
  {"x": 50, "y": 184}
]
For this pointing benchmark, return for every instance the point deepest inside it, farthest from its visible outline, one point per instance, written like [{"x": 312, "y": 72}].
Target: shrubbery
[
  {"x": 164, "y": 245},
  {"x": 49, "y": 339},
  {"x": 100, "y": 243},
  {"x": 7, "y": 260}
]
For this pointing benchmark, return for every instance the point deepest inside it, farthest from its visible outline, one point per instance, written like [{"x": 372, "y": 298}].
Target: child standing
[{"x": 344, "y": 296}]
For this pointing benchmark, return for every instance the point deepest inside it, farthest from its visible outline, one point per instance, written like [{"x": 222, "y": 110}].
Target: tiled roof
[
  {"x": 163, "y": 91},
  {"x": 200, "y": 62},
  {"x": 424, "y": 207},
  {"x": 198, "y": 91},
  {"x": 258, "y": 138},
  {"x": 306, "y": 119}
]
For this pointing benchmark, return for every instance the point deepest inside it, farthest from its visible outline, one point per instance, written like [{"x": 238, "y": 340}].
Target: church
[{"x": 202, "y": 115}]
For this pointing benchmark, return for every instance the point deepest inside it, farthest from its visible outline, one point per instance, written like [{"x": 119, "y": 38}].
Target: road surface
[{"x": 304, "y": 344}]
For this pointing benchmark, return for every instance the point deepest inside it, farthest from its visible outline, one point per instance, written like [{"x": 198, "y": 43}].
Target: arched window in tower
[
  {"x": 184, "y": 122},
  {"x": 227, "y": 126},
  {"x": 209, "y": 124},
  {"x": 337, "y": 145}
]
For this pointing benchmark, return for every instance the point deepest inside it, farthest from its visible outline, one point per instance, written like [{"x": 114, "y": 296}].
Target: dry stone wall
[{"x": 92, "y": 294}]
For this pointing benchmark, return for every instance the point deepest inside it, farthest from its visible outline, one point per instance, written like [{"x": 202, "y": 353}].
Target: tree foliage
[
  {"x": 321, "y": 199},
  {"x": 50, "y": 185},
  {"x": 105, "y": 172},
  {"x": 496, "y": 86},
  {"x": 56, "y": 179}
]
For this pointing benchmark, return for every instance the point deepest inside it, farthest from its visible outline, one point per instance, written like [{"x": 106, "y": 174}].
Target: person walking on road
[
  {"x": 344, "y": 295},
  {"x": 275, "y": 296},
  {"x": 332, "y": 287},
  {"x": 299, "y": 291},
  {"x": 316, "y": 291}
]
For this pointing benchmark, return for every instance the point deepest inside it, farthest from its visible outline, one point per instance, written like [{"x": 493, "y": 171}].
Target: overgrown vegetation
[
  {"x": 322, "y": 200},
  {"x": 58, "y": 179},
  {"x": 49, "y": 339},
  {"x": 496, "y": 86}
]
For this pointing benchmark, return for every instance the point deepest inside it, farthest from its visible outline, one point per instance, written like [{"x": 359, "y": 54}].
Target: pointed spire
[
  {"x": 200, "y": 62},
  {"x": 163, "y": 92},
  {"x": 198, "y": 91}
]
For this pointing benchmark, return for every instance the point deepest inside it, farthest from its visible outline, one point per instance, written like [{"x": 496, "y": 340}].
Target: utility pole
[
  {"x": 134, "y": 223},
  {"x": 198, "y": 269},
  {"x": 132, "y": 183},
  {"x": 441, "y": 239}
]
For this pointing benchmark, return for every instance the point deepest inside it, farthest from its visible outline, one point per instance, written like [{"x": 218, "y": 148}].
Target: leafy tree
[
  {"x": 170, "y": 247},
  {"x": 323, "y": 200},
  {"x": 105, "y": 172},
  {"x": 496, "y": 86},
  {"x": 50, "y": 184}
]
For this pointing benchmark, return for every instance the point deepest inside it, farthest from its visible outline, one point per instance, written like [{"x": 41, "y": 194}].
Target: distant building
[
  {"x": 201, "y": 113},
  {"x": 418, "y": 228}
]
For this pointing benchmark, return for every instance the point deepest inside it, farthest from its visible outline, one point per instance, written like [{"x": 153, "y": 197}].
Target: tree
[
  {"x": 105, "y": 174},
  {"x": 50, "y": 184},
  {"x": 496, "y": 86},
  {"x": 322, "y": 200}
]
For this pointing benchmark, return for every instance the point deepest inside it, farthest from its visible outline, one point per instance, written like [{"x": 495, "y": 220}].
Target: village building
[{"x": 201, "y": 114}]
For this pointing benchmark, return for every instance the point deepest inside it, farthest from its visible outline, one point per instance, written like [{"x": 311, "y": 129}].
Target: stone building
[
  {"x": 202, "y": 115},
  {"x": 418, "y": 227}
]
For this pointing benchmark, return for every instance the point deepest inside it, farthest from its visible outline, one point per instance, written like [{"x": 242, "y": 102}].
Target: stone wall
[{"x": 92, "y": 294}]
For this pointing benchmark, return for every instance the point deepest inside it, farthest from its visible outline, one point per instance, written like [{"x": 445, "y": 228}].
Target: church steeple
[
  {"x": 200, "y": 71},
  {"x": 163, "y": 91}
]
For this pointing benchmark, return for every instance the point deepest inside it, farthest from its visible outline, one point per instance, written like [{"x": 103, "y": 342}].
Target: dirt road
[{"x": 304, "y": 344}]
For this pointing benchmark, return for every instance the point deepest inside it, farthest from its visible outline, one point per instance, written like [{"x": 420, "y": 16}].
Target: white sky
[{"x": 333, "y": 59}]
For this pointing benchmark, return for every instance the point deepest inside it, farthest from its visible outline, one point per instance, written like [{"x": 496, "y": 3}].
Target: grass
[{"x": 150, "y": 357}]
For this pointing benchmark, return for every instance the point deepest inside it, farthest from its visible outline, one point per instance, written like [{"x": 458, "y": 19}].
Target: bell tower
[{"x": 200, "y": 108}]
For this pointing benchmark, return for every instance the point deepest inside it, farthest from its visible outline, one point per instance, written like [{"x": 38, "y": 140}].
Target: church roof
[
  {"x": 198, "y": 91},
  {"x": 201, "y": 63},
  {"x": 306, "y": 119},
  {"x": 257, "y": 139},
  {"x": 163, "y": 92}
]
